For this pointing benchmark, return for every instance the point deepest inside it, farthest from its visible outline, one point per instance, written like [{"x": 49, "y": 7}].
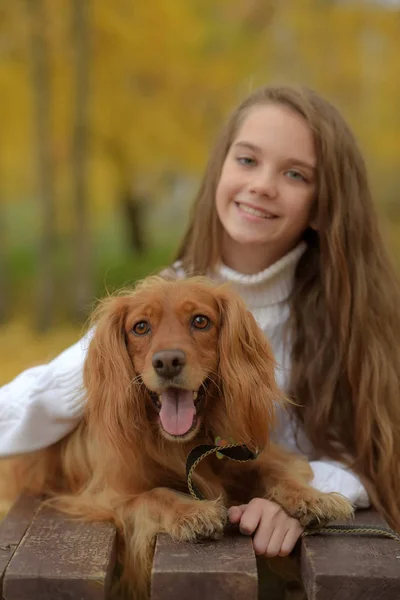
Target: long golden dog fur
[{"x": 186, "y": 346}]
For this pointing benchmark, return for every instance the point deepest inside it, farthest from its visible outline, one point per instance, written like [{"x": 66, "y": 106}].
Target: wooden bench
[{"x": 45, "y": 556}]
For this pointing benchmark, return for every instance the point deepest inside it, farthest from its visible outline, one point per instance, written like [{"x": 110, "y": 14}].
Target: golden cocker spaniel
[{"x": 171, "y": 365}]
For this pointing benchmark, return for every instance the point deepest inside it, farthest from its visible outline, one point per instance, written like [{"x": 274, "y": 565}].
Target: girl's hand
[{"x": 275, "y": 532}]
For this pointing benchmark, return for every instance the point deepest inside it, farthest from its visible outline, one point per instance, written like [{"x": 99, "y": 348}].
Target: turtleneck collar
[{"x": 271, "y": 286}]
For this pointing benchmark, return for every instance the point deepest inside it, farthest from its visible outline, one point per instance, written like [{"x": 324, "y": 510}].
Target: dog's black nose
[{"x": 168, "y": 363}]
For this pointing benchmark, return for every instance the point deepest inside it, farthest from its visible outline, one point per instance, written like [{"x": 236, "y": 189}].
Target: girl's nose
[{"x": 264, "y": 183}]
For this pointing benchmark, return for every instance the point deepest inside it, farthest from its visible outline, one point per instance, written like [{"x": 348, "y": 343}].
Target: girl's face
[{"x": 267, "y": 188}]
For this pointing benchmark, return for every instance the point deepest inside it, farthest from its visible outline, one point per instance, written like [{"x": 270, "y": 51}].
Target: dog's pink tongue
[{"x": 177, "y": 411}]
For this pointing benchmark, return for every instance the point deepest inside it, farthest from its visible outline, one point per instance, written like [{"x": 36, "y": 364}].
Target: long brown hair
[{"x": 345, "y": 307}]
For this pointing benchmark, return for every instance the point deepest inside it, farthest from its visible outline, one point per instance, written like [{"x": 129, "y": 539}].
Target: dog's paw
[
  {"x": 203, "y": 519},
  {"x": 322, "y": 508}
]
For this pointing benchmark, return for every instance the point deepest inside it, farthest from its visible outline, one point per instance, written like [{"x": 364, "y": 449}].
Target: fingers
[
  {"x": 235, "y": 513},
  {"x": 291, "y": 537},
  {"x": 283, "y": 538},
  {"x": 263, "y": 537},
  {"x": 251, "y": 516},
  {"x": 274, "y": 524},
  {"x": 275, "y": 533}
]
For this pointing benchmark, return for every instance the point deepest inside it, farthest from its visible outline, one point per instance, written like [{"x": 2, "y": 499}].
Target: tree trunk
[
  {"x": 4, "y": 283},
  {"x": 82, "y": 284},
  {"x": 42, "y": 99},
  {"x": 132, "y": 210}
]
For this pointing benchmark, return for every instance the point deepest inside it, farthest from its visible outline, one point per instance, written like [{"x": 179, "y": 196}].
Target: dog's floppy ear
[
  {"x": 114, "y": 406},
  {"x": 246, "y": 371}
]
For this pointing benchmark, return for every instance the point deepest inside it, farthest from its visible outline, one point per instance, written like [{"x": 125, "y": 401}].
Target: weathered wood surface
[
  {"x": 351, "y": 567},
  {"x": 223, "y": 569},
  {"x": 44, "y": 555},
  {"x": 13, "y": 528},
  {"x": 60, "y": 558}
]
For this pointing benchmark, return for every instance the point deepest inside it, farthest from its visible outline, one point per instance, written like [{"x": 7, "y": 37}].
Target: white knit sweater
[{"x": 44, "y": 403}]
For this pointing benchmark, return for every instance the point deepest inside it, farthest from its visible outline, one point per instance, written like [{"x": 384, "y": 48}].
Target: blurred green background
[{"x": 108, "y": 111}]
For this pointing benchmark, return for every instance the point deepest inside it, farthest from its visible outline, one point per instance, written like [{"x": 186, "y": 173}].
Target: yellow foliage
[
  {"x": 22, "y": 348},
  {"x": 163, "y": 75}
]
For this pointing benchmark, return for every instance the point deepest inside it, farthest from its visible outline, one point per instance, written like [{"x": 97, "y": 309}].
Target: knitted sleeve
[
  {"x": 330, "y": 476},
  {"x": 44, "y": 403}
]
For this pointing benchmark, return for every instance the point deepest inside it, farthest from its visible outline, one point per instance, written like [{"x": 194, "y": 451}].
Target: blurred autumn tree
[
  {"x": 81, "y": 282},
  {"x": 136, "y": 92},
  {"x": 42, "y": 100},
  {"x": 3, "y": 264},
  {"x": 349, "y": 52}
]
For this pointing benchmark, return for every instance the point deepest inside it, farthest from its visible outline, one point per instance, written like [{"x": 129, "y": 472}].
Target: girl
[{"x": 285, "y": 214}]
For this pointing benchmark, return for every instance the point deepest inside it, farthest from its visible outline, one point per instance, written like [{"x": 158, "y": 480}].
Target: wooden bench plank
[
  {"x": 45, "y": 555},
  {"x": 61, "y": 558},
  {"x": 13, "y": 528},
  {"x": 223, "y": 569},
  {"x": 351, "y": 567}
]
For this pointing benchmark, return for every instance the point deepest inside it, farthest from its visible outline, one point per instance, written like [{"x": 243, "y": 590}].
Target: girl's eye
[
  {"x": 295, "y": 175},
  {"x": 246, "y": 161},
  {"x": 201, "y": 322},
  {"x": 141, "y": 328}
]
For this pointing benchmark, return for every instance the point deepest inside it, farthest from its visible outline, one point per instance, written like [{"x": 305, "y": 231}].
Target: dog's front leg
[
  {"x": 286, "y": 480},
  {"x": 179, "y": 515},
  {"x": 162, "y": 510}
]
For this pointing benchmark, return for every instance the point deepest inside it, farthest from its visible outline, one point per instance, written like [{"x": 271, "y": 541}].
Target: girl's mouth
[{"x": 254, "y": 212}]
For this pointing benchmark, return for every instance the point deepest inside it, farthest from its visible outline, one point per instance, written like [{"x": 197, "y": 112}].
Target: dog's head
[{"x": 177, "y": 358}]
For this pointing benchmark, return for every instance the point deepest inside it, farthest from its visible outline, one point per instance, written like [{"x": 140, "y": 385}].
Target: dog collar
[{"x": 233, "y": 451}]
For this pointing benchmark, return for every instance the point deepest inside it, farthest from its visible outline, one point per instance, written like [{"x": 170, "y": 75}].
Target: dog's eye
[
  {"x": 141, "y": 328},
  {"x": 201, "y": 322}
]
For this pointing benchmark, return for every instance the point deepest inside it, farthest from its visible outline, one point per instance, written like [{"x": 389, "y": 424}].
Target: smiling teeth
[
  {"x": 194, "y": 395},
  {"x": 254, "y": 211}
]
